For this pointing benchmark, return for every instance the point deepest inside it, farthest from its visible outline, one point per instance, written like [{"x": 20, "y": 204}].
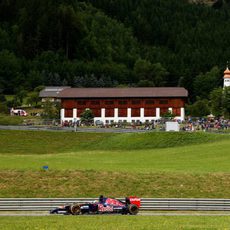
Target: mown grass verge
[
  {"x": 116, "y": 222},
  {"x": 116, "y": 184},
  {"x": 41, "y": 142},
  {"x": 87, "y": 164},
  {"x": 203, "y": 158}
]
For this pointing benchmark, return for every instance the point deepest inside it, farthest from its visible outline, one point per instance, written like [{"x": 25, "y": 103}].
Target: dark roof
[
  {"x": 52, "y": 91},
  {"x": 123, "y": 92}
]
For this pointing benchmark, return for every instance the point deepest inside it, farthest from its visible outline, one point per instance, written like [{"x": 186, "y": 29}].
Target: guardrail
[{"x": 147, "y": 204}]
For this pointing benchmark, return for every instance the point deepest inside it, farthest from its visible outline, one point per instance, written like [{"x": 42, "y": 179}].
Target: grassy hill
[
  {"x": 87, "y": 164},
  {"x": 41, "y": 142}
]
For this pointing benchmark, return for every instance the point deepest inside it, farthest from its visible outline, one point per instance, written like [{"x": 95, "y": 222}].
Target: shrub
[
  {"x": 3, "y": 108},
  {"x": 10, "y": 120}
]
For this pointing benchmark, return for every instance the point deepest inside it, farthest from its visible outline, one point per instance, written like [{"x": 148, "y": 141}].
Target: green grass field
[
  {"x": 116, "y": 222},
  {"x": 41, "y": 142},
  {"x": 86, "y": 164},
  {"x": 203, "y": 158}
]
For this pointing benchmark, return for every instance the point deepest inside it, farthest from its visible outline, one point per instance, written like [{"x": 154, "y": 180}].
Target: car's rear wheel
[
  {"x": 75, "y": 209},
  {"x": 133, "y": 209}
]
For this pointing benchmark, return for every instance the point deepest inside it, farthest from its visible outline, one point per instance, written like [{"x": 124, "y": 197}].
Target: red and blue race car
[{"x": 104, "y": 205}]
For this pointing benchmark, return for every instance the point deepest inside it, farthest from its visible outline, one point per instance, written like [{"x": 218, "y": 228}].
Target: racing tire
[
  {"x": 75, "y": 209},
  {"x": 133, "y": 209}
]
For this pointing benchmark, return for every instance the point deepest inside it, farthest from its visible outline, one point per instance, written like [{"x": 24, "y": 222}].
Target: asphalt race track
[{"x": 139, "y": 214}]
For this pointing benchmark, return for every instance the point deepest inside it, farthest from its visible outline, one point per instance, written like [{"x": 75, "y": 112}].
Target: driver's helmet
[
  {"x": 127, "y": 200},
  {"x": 101, "y": 198}
]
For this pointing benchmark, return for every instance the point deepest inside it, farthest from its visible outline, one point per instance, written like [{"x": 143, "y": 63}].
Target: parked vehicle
[
  {"x": 18, "y": 112},
  {"x": 104, "y": 205}
]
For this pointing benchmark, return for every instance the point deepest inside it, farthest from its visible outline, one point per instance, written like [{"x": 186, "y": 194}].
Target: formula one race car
[{"x": 104, "y": 205}]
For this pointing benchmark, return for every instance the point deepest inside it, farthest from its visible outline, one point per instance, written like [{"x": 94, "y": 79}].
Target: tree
[
  {"x": 9, "y": 71},
  {"x": 2, "y": 97},
  {"x": 33, "y": 98},
  {"x": 154, "y": 73},
  {"x": 51, "y": 110},
  {"x": 14, "y": 102},
  {"x": 4, "y": 39},
  {"x": 168, "y": 114},
  {"x": 34, "y": 79},
  {"x": 145, "y": 83},
  {"x": 87, "y": 117},
  {"x": 70, "y": 28},
  {"x": 199, "y": 109},
  {"x": 3, "y": 104},
  {"x": 20, "y": 95},
  {"x": 216, "y": 97},
  {"x": 3, "y": 108},
  {"x": 220, "y": 102},
  {"x": 205, "y": 83},
  {"x": 128, "y": 41},
  {"x": 39, "y": 88},
  {"x": 143, "y": 69}
]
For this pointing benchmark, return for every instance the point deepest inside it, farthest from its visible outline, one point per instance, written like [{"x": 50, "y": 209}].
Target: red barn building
[{"x": 123, "y": 104}]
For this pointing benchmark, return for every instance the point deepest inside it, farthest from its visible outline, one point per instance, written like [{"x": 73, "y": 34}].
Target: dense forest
[{"x": 108, "y": 43}]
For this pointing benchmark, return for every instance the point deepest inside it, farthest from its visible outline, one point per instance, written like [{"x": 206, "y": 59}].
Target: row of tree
[
  {"x": 217, "y": 104},
  {"x": 108, "y": 43},
  {"x": 187, "y": 39}
]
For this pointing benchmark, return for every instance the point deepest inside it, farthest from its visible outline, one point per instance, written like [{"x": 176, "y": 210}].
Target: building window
[
  {"x": 79, "y": 112},
  {"x": 68, "y": 113},
  {"x": 95, "y": 102},
  {"x": 149, "y": 102},
  {"x": 122, "y": 112},
  {"x": 150, "y": 112},
  {"x": 136, "y": 102},
  {"x": 81, "y": 102},
  {"x": 96, "y": 112},
  {"x": 176, "y": 111},
  {"x": 69, "y": 104},
  {"x": 109, "y": 102},
  {"x": 122, "y": 102},
  {"x": 135, "y": 112},
  {"x": 163, "y": 102},
  {"x": 163, "y": 111},
  {"x": 109, "y": 112}
]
